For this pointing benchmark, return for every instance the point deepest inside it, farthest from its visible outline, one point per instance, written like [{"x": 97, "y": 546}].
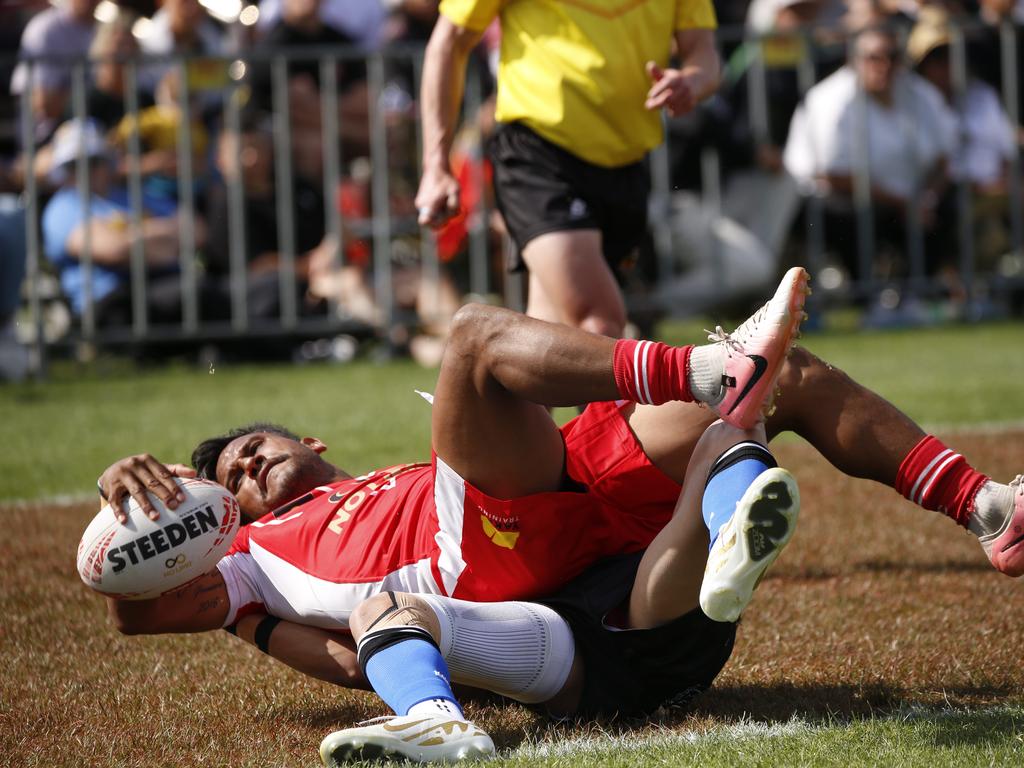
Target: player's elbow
[{"x": 126, "y": 618}]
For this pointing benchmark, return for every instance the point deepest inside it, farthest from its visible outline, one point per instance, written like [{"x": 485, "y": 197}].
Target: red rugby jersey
[{"x": 422, "y": 528}]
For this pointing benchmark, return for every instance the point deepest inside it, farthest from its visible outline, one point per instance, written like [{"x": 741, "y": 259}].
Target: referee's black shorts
[
  {"x": 632, "y": 672},
  {"x": 540, "y": 188}
]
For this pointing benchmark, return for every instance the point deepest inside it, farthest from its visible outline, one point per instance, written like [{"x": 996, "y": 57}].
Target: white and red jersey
[{"x": 422, "y": 528}]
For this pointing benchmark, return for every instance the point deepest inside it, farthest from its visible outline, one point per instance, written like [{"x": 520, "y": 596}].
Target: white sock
[
  {"x": 992, "y": 506},
  {"x": 436, "y": 708},
  {"x": 706, "y": 369}
]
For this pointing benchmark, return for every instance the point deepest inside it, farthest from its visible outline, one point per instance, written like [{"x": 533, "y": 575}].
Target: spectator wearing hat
[
  {"x": 985, "y": 136},
  {"x": 103, "y": 228}
]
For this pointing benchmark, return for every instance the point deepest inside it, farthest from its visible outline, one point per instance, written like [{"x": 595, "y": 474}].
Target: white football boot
[
  {"x": 418, "y": 738},
  {"x": 762, "y": 525}
]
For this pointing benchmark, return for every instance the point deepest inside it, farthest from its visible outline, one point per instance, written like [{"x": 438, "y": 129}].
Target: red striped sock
[
  {"x": 937, "y": 478},
  {"x": 651, "y": 372}
]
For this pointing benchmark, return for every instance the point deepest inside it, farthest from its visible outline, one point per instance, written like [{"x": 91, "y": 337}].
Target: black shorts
[
  {"x": 632, "y": 672},
  {"x": 543, "y": 188}
]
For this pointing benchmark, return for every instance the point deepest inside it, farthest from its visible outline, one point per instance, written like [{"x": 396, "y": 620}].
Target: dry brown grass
[{"x": 874, "y": 605}]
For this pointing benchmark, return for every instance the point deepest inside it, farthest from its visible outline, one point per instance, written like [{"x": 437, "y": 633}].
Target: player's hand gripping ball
[{"x": 145, "y": 558}]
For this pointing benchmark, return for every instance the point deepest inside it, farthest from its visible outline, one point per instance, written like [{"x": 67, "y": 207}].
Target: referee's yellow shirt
[{"x": 573, "y": 70}]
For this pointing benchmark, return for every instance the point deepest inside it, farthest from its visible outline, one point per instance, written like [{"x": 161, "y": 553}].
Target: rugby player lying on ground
[
  {"x": 539, "y": 504},
  {"x": 623, "y": 638}
]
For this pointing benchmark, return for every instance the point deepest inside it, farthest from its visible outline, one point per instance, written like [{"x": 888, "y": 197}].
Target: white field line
[
  {"x": 747, "y": 730},
  {"x": 60, "y": 500},
  {"x": 977, "y": 428},
  {"x": 666, "y": 738}
]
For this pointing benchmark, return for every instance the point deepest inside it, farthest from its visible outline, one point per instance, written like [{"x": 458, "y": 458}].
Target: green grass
[
  {"x": 60, "y": 434},
  {"x": 914, "y": 737}
]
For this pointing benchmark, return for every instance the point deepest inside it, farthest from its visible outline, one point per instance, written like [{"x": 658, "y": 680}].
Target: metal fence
[{"x": 674, "y": 242}]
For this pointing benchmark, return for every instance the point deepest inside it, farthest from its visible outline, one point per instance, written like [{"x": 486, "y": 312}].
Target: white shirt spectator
[
  {"x": 54, "y": 31},
  {"x": 362, "y": 20},
  {"x": 836, "y": 129},
  {"x": 986, "y": 137}
]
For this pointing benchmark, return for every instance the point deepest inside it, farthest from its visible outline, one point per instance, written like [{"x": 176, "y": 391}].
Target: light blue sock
[
  {"x": 730, "y": 476},
  {"x": 408, "y": 672}
]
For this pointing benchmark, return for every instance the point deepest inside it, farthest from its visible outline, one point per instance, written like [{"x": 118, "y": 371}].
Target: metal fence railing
[{"x": 366, "y": 228}]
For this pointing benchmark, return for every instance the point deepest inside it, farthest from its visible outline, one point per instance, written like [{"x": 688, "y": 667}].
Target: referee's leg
[{"x": 571, "y": 283}]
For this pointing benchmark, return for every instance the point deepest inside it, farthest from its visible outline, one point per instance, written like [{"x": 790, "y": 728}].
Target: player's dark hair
[{"x": 206, "y": 454}]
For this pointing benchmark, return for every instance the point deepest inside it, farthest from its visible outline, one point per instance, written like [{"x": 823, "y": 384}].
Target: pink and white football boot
[
  {"x": 755, "y": 351},
  {"x": 1005, "y": 547}
]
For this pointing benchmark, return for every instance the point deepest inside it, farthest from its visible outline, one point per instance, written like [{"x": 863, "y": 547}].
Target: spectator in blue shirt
[{"x": 103, "y": 229}]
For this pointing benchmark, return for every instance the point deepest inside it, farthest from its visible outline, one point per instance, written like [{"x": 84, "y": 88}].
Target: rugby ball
[{"x": 145, "y": 558}]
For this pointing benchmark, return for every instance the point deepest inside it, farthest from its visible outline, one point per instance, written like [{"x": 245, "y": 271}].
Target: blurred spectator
[
  {"x": 105, "y": 224},
  {"x": 986, "y": 144},
  {"x": 184, "y": 27},
  {"x": 986, "y": 137},
  {"x": 159, "y": 128},
  {"x": 985, "y": 51},
  {"x": 13, "y": 356},
  {"x": 300, "y": 25},
  {"x": 111, "y": 45},
  {"x": 410, "y": 20},
  {"x": 248, "y": 158},
  {"x": 873, "y": 114},
  {"x": 63, "y": 31},
  {"x": 759, "y": 195},
  {"x": 361, "y": 20}
]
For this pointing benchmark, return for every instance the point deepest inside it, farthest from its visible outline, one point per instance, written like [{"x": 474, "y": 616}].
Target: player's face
[{"x": 265, "y": 471}]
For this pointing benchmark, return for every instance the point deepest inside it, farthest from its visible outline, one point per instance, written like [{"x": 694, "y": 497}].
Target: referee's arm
[
  {"x": 444, "y": 72},
  {"x": 699, "y": 61}
]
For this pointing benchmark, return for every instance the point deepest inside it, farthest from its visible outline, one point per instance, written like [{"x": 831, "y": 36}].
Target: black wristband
[{"x": 262, "y": 635}]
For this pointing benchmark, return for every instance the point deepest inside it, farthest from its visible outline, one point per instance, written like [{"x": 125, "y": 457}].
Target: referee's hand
[
  {"x": 670, "y": 89},
  {"x": 438, "y": 197}
]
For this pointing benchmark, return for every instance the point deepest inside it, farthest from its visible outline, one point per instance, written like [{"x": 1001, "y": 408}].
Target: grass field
[{"x": 881, "y": 637}]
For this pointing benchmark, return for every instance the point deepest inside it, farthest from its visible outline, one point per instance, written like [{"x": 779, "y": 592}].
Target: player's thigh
[
  {"x": 669, "y": 433},
  {"x": 504, "y": 445},
  {"x": 571, "y": 268}
]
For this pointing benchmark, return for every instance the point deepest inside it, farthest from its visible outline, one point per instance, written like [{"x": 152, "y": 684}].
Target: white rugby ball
[{"x": 145, "y": 558}]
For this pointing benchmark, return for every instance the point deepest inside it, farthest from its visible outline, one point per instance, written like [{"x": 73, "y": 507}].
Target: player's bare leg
[
  {"x": 864, "y": 436},
  {"x": 670, "y": 576},
  {"x": 500, "y": 368},
  {"x": 571, "y": 283}
]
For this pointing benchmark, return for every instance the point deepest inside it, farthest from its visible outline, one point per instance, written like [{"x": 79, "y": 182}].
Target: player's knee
[
  {"x": 471, "y": 327},
  {"x": 604, "y": 325},
  {"x": 720, "y": 437},
  {"x": 391, "y": 610},
  {"x": 803, "y": 373}
]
